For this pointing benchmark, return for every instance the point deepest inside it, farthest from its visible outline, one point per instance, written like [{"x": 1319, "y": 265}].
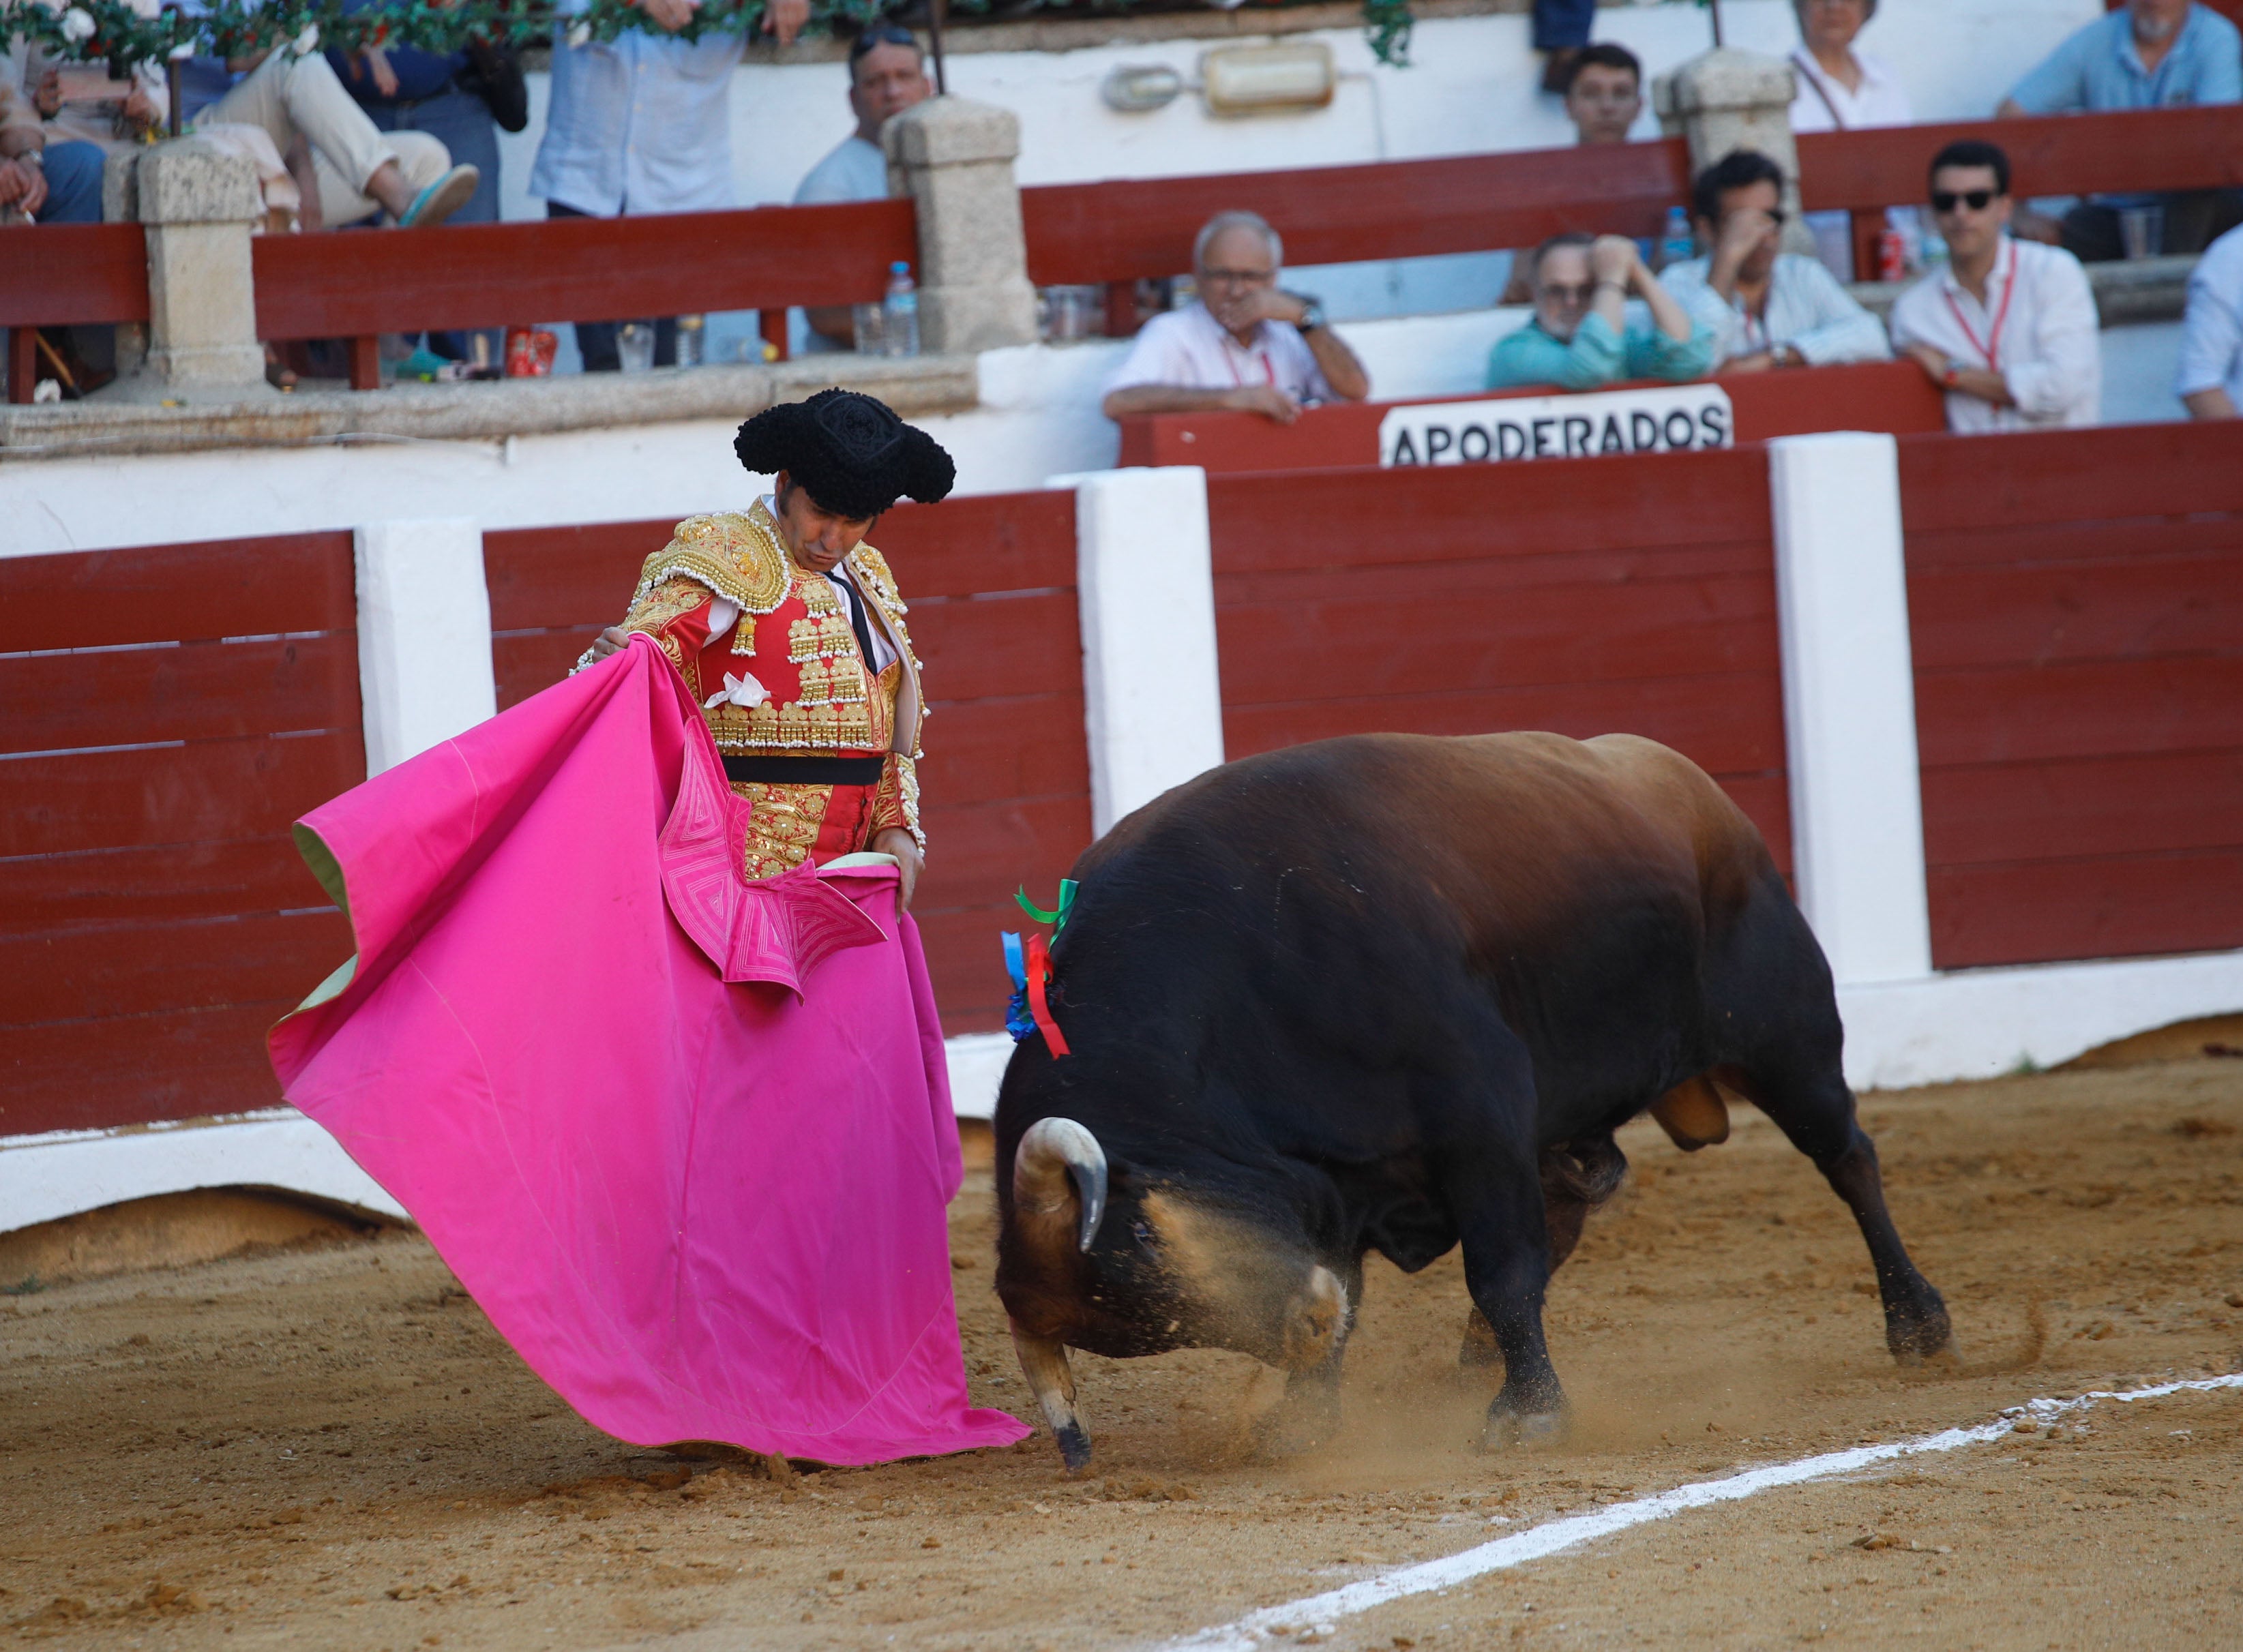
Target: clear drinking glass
[
  {"x": 635, "y": 346},
  {"x": 2142, "y": 231},
  {"x": 871, "y": 329}
]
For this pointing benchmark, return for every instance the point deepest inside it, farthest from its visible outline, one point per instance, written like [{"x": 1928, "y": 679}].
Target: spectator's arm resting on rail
[
  {"x": 2210, "y": 374},
  {"x": 1842, "y": 330}
]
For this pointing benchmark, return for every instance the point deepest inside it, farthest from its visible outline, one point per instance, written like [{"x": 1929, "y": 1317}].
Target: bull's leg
[
  {"x": 1316, "y": 1343},
  {"x": 1506, "y": 1250},
  {"x": 1817, "y": 1113}
]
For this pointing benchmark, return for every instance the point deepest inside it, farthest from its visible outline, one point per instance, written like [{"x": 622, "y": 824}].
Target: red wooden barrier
[
  {"x": 56, "y": 275},
  {"x": 1468, "y": 599},
  {"x": 1890, "y": 396},
  {"x": 165, "y": 714},
  {"x": 591, "y": 269},
  {"x": 2076, "y": 602},
  {"x": 1006, "y": 784}
]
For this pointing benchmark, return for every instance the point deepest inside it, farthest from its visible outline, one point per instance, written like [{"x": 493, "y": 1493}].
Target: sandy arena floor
[{"x": 330, "y": 1448}]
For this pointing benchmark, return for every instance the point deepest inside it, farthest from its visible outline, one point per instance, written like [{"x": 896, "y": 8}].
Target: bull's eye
[{"x": 1142, "y": 1234}]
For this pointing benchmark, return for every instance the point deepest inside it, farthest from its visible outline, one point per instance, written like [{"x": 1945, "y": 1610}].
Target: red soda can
[
  {"x": 530, "y": 353},
  {"x": 1892, "y": 256}
]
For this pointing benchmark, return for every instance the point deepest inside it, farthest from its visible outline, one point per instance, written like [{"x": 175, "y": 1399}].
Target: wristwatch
[
  {"x": 1313, "y": 317},
  {"x": 1952, "y": 377}
]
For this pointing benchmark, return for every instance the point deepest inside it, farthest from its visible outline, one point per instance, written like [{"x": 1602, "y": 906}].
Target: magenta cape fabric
[{"x": 700, "y": 1211}]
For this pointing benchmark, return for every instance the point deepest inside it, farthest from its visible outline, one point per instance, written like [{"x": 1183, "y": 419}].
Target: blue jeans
[
  {"x": 73, "y": 184},
  {"x": 1560, "y": 24}
]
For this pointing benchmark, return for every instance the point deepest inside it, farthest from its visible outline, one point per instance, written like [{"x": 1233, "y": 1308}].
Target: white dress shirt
[
  {"x": 1190, "y": 349},
  {"x": 639, "y": 124},
  {"x": 2038, "y": 328},
  {"x": 2211, "y": 335},
  {"x": 1823, "y": 105},
  {"x": 854, "y": 171},
  {"x": 1806, "y": 309}
]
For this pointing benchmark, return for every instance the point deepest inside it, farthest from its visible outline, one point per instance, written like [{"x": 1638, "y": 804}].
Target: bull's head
[{"x": 1094, "y": 1255}]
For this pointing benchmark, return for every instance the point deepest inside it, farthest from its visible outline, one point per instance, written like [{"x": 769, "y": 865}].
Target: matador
[{"x": 788, "y": 631}]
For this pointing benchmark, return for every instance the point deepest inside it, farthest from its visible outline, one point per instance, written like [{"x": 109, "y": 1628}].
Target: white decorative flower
[
  {"x": 743, "y": 690},
  {"x": 78, "y": 25},
  {"x": 308, "y": 41},
  {"x": 580, "y": 34}
]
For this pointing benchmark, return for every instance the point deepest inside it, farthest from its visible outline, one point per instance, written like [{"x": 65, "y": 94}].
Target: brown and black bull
[{"x": 1396, "y": 993}]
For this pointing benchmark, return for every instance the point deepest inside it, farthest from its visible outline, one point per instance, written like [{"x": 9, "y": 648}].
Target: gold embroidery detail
[
  {"x": 737, "y": 555},
  {"x": 743, "y": 635},
  {"x": 783, "y": 825}
]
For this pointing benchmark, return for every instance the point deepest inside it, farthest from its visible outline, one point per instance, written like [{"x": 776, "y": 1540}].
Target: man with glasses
[
  {"x": 886, "y": 76},
  {"x": 1246, "y": 345},
  {"x": 1580, "y": 338},
  {"x": 2008, "y": 329},
  {"x": 1765, "y": 308}
]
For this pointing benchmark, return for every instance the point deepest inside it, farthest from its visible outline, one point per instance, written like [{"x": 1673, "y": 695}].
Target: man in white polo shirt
[
  {"x": 1246, "y": 345},
  {"x": 2008, "y": 329}
]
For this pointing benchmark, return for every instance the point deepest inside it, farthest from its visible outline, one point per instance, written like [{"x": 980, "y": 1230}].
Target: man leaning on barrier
[{"x": 1246, "y": 345}]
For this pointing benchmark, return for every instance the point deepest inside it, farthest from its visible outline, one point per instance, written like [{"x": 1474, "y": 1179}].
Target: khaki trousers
[{"x": 290, "y": 96}]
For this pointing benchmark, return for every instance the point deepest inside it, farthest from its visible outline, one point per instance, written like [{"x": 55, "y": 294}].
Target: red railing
[
  {"x": 1005, "y": 780},
  {"x": 59, "y": 275},
  {"x": 166, "y": 713},
  {"x": 1581, "y": 596}
]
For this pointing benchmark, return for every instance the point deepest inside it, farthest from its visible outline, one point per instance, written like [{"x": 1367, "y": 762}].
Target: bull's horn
[
  {"x": 1043, "y": 1361},
  {"x": 1054, "y": 1152}
]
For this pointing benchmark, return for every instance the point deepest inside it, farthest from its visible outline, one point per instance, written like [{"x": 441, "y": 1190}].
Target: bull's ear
[{"x": 1059, "y": 1164}]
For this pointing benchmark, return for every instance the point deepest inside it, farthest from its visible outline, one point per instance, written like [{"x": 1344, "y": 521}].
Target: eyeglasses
[
  {"x": 1944, "y": 201},
  {"x": 1237, "y": 278},
  {"x": 1563, "y": 292}
]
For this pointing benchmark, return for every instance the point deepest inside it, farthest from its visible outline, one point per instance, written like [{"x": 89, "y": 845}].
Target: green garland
[{"x": 112, "y": 30}]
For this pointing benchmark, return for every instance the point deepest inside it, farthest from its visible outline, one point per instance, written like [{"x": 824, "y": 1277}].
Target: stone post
[
  {"x": 1729, "y": 100},
  {"x": 198, "y": 204},
  {"x": 954, "y": 160}
]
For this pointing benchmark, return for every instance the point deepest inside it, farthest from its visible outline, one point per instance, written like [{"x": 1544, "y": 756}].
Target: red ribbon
[{"x": 1038, "y": 972}]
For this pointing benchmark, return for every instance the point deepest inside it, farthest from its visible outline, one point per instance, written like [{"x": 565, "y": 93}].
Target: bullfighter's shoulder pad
[
  {"x": 732, "y": 553},
  {"x": 873, "y": 568}
]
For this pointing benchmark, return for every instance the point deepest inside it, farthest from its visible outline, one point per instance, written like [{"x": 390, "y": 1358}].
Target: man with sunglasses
[
  {"x": 2008, "y": 328},
  {"x": 1581, "y": 338},
  {"x": 1248, "y": 345},
  {"x": 1765, "y": 308},
  {"x": 886, "y": 76}
]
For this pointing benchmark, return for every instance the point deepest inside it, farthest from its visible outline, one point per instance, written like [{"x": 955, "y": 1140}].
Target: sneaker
[{"x": 441, "y": 199}]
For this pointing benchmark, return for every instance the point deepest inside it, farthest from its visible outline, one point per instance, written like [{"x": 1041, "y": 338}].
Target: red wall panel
[
  {"x": 1006, "y": 782},
  {"x": 2076, "y": 601},
  {"x": 1580, "y": 596},
  {"x": 165, "y": 712}
]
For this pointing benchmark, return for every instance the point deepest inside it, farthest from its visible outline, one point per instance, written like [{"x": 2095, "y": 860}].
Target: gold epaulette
[
  {"x": 732, "y": 553},
  {"x": 874, "y": 568}
]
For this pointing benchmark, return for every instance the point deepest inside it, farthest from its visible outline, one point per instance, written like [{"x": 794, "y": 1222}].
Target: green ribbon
[{"x": 1057, "y": 917}]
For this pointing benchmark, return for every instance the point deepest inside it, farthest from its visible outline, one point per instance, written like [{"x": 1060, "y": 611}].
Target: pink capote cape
[{"x": 687, "y": 1139}]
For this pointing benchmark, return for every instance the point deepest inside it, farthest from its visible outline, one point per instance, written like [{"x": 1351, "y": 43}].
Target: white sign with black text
[{"x": 1671, "y": 419}]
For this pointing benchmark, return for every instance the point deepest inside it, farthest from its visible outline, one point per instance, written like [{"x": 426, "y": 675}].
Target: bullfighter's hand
[
  {"x": 894, "y": 840},
  {"x": 611, "y": 641},
  {"x": 1266, "y": 399},
  {"x": 785, "y": 18}
]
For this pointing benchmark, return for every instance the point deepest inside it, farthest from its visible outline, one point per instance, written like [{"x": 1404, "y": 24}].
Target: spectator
[
  {"x": 1842, "y": 91},
  {"x": 2154, "y": 54},
  {"x": 886, "y": 76},
  {"x": 460, "y": 98},
  {"x": 642, "y": 123},
  {"x": 2008, "y": 328},
  {"x": 2210, "y": 379},
  {"x": 1580, "y": 338},
  {"x": 1560, "y": 31},
  {"x": 1765, "y": 307},
  {"x": 44, "y": 181},
  {"x": 1604, "y": 93},
  {"x": 1247, "y": 344}
]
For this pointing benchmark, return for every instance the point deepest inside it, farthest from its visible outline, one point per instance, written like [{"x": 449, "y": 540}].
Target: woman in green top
[{"x": 1580, "y": 339}]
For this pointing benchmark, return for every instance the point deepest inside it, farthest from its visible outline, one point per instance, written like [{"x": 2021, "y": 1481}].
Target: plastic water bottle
[
  {"x": 899, "y": 313},
  {"x": 1676, "y": 245},
  {"x": 692, "y": 340}
]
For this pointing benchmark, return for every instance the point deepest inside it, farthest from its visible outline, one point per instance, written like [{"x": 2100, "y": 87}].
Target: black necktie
[{"x": 853, "y": 600}]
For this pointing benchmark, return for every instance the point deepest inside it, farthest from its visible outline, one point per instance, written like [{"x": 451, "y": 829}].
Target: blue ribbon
[{"x": 1018, "y": 1021}]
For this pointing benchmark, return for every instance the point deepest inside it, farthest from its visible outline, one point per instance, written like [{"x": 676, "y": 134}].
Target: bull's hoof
[
  {"x": 1300, "y": 1423},
  {"x": 1509, "y": 1430},
  {"x": 1917, "y": 1333},
  {"x": 1075, "y": 1448}
]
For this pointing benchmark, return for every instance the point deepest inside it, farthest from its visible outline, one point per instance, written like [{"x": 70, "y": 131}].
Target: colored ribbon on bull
[
  {"x": 1030, "y": 1011},
  {"x": 1057, "y": 917}
]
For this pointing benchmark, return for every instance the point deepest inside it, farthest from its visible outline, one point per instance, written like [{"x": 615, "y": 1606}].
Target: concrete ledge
[
  {"x": 2143, "y": 290},
  {"x": 913, "y": 385}
]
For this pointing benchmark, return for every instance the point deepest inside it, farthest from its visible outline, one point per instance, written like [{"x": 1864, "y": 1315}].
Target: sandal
[{"x": 441, "y": 198}]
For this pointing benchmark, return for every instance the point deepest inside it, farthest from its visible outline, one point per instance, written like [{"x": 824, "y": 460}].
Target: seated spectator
[
  {"x": 1604, "y": 93},
  {"x": 1247, "y": 344},
  {"x": 1765, "y": 307},
  {"x": 1580, "y": 339},
  {"x": 2210, "y": 383},
  {"x": 41, "y": 180},
  {"x": 2152, "y": 54},
  {"x": 886, "y": 76},
  {"x": 1841, "y": 91},
  {"x": 2008, "y": 328}
]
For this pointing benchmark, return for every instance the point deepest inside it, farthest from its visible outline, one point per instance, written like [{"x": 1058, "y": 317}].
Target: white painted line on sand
[{"x": 1321, "y": 1612}]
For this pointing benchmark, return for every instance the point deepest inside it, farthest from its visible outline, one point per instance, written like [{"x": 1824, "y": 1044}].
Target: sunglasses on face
[
  {"x": 1946, "y": 200},
  {"x": 886, "y": 35}
]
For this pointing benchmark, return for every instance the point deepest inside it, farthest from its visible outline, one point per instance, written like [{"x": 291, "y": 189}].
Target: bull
[{"x": 1395, "y": 993}]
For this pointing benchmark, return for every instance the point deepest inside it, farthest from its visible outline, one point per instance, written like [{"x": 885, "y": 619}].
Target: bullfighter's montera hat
[{"x": 850, "y": 450}]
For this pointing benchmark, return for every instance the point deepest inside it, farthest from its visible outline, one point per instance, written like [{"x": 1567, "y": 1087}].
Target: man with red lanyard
[
  {"x": 1246, "y": 345},
  {"x": 2008, "y": 329}
]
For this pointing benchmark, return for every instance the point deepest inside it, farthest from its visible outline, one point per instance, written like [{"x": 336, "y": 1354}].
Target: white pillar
[
  {"x": 954, "y": 158},
  {"x": 424, "y": 637},
  {"x": 1850, "y": 703},
  {"x": 1152, "y": 695}
]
